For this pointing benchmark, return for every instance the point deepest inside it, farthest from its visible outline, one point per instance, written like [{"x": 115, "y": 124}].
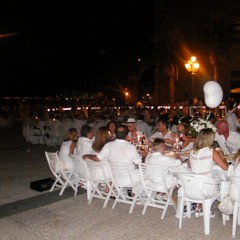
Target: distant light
[{"x": 139, "y": 59}]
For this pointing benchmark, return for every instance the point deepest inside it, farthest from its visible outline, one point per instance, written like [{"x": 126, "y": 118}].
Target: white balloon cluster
[{"x": 213, "y": 94}]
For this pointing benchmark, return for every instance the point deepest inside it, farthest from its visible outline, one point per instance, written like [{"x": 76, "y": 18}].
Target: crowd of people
[{"x": 141, "y": 135}]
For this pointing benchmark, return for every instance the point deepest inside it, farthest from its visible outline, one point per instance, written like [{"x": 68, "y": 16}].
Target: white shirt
[
  {"x": 231, "y": 145},
  {"x": 144, "y": 128},
  {"x": 84, "y": 146},
  {"x": 66, "y": 161},
  {"x": 120, "y": 150},
  {"x": 160, "y": 135}
]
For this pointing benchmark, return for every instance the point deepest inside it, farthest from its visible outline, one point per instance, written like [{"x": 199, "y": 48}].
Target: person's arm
[
  {"x": 91, "y": 157},
  {"x": 72, "y": 148},
  {"x": 219, "y": 158}
]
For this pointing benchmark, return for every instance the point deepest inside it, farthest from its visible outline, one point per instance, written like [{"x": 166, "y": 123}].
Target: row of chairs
[{"x": 144, "y": 190}]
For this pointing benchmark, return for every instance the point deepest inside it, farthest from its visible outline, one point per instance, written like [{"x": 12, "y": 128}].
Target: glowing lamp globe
[{"x": 213, "y": 94}]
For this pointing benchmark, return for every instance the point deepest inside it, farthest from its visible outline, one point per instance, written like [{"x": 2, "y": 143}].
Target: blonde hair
[{"x": 205, "y": 138}]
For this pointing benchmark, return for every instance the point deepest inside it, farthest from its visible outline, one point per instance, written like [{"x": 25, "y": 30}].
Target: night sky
[
  {"x": 91, "y": 45},
  {"x": 64, "y": 45}
]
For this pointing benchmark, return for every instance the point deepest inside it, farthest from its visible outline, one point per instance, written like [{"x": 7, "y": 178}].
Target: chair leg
[
  {"x": 107, "y": 198},
  {"x": 149, "y": 196},
  {"x": 117, "y": 197},
  {"x": 235, "y": 216},
  {"x": 181, "y": 201},
  {"x": 206, "y": 216},
  {"x": 133, "y": 203},
  {"x": 225, "y": 218}
]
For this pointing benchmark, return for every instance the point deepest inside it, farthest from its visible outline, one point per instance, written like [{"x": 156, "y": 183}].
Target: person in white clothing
[
  {"x": 163, "y": 132},
  {"x": 119, "y": 150},
  {"x": 157, "y": 157},
  {"x": 185, "y": 140},
  {"x": 202, "y": 158},
  {"x": 143, "y": 126},
  {"x": 134, "y": 134},
  {"x": 84, "y": 145},
  {"x": 68, "y": 148},
  {"x": 228, "y": 141}
]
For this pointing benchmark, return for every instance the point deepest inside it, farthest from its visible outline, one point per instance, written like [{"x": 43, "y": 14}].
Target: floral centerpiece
[{"x": 197, "y": 125}]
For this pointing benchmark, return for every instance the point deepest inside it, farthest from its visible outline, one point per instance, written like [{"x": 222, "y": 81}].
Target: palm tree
[{"x": 217, "y": 39}]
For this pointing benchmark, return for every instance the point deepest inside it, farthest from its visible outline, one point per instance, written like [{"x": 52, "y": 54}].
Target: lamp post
[{"x": 192, "y": 66}]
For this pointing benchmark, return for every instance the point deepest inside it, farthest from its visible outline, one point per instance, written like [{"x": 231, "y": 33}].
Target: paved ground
[{"x": 26, "y": 214}]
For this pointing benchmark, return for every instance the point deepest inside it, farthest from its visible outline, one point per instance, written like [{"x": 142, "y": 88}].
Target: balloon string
[
  {"x": 230, "y": 112},
  {"x": 208, "y": 115}
]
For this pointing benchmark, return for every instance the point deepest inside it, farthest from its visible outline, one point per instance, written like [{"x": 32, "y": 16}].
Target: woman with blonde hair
[{"x": 202, "y": 158}]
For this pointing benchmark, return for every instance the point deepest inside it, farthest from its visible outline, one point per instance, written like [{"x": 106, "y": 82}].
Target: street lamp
[
  {"x": 192, "y": 66},
  {"x": 126, "y": 97}
]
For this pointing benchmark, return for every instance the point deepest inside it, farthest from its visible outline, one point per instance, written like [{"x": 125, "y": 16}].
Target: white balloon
[{"x": 213, "y": 94}]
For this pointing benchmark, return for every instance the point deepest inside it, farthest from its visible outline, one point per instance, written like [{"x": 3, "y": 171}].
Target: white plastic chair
[
  {"x": 150, "y": 188},
  {"x": 194, "y": 189},
  {"x": 97, "y": 175},
  {"x": 123, "y": 179},
  {"x": 234, "y": 193},
  {"x": 37, "y": 135},
  {"x": 54, "y": 165},
  {"x": 64, "y": 177}
]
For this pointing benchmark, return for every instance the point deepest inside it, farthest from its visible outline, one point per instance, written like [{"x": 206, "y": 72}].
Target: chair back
[
  {"x": 197, "y": 186},
  {"x": 95, "y": 170},
  {"x": 53, "y": 161},
  {"x": 234, "y": 190},
  {"x": 153, "y": 176},
  {"x": 78, "y": 165},
  {"x": 121, "y": 174}
]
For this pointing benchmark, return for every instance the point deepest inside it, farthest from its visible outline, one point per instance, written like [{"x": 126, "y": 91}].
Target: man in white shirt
[
  {"x": 163, "y": 132},
  {"x": 119, "y": 150},
  {"x": 228, "y": 141},
  {"x": 143, "y": 126},
  {"x": 134, "y": 134}
]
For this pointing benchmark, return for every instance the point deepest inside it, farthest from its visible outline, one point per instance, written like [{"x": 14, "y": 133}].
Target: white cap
[{"x": 131, "y": 120}]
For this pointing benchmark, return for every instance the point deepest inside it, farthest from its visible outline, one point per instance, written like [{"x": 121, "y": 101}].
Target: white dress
[
  {"x": 202, "y": 163},
  {"x": 66, "y": 161}
]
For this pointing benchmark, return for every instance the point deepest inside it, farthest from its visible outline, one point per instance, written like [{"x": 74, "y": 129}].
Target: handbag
[
  {"x": 226, "y": 205},
  {"x": 42, "y": 185}
]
